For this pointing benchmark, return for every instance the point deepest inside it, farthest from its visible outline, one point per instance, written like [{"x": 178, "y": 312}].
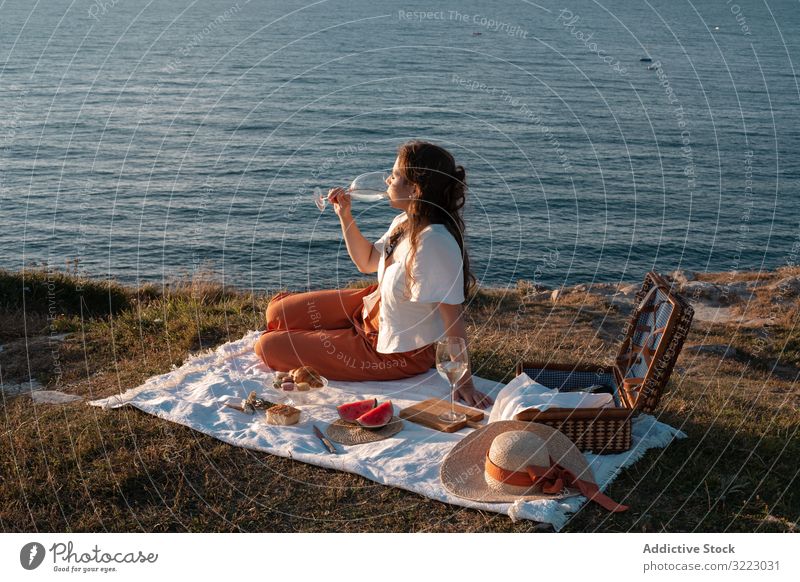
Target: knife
[{"x": 328, "y": 444}]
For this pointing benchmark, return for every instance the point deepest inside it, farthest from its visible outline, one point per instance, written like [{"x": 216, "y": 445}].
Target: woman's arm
[
  {"x": 454, "y": 326},
  {"x": 361, "y": 251}
]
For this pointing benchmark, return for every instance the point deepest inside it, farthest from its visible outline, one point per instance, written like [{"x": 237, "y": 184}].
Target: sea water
[{"x": 147, "y": 140}]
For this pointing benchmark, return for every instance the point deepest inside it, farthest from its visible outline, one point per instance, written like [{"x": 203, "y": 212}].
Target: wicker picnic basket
[{"x": 652, "y": 340}]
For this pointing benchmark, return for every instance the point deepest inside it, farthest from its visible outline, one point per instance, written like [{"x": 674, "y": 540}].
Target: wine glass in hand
[
  {"x": 452, "y": 361},
  {"x": 341, "y": 202},
  {"x": 369, "y": 187}
]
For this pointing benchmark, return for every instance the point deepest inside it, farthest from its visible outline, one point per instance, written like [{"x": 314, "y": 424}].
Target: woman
[{"x": 389, "y": 330}]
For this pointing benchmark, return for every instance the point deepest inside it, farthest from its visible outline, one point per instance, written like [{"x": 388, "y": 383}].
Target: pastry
[
  {"x": 283, "y": 414},
  {"x": 279, "y": 378},
  {"x": 308, "y": 375}
]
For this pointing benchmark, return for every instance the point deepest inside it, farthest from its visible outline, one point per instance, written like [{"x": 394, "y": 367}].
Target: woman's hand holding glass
[
  {"x": 369, "y": 187},
  {"x": 341, "y": 202}
]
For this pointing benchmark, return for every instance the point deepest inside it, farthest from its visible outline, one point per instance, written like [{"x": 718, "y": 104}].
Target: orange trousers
[{"x": 327, "y": 331}]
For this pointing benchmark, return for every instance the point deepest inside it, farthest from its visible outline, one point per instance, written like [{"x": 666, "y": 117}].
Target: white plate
[
  {"x": 324, "y": 385},
  {"x": 299, "y": 397}
]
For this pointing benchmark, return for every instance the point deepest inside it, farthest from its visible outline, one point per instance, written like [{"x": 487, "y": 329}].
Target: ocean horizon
[{"x": 148, "y": 140}]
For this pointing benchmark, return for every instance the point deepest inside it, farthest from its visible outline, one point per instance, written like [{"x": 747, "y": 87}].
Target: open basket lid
[{"x": 654, "y": 337}]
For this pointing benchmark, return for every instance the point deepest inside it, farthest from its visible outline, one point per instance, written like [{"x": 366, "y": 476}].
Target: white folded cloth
[{"x": 523, "y": 393}]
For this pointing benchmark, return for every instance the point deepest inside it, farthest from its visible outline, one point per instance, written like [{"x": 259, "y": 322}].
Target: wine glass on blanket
[
  {"x": 369, "y": 187},
  {"x": 452, "y": 361}
]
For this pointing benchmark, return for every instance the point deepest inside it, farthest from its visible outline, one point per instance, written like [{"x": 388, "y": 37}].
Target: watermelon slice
[
  {"x": 377, "y": 417},
  {"x": 352, "y": 410}
]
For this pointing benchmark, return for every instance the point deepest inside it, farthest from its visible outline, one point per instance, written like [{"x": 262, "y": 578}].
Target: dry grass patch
[{"x": 78, "y": 468}]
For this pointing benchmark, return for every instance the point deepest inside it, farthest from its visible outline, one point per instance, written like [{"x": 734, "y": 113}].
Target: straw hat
[
  {"x": 510, "y": 460},
  {"x": 348, "y": 433}
]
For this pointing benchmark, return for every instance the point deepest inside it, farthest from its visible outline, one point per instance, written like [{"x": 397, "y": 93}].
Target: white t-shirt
[{"x": 412, "y": 321}]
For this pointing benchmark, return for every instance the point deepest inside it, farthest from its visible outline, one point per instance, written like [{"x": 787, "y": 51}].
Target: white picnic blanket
[{"x": 193, "y": 395}]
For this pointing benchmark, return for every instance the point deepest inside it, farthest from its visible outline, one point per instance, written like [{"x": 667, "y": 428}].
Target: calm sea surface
[{"x": 149, "y": 140}]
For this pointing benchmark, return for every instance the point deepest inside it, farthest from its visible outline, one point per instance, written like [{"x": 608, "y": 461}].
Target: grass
[{"x": 77, "y": 468}]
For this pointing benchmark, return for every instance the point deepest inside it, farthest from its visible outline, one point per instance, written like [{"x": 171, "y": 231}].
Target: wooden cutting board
[{"x": 427, "y": 414}]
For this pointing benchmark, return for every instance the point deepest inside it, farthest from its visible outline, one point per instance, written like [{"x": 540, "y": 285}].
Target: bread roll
[{"x": 308, "y": 375}]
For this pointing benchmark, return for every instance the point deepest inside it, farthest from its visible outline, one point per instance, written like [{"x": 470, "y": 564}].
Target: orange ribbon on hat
[{"x": 552, "y": 479}]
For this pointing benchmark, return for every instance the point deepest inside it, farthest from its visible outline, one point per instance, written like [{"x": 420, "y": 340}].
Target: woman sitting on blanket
[{"x": 387, "y": 331}]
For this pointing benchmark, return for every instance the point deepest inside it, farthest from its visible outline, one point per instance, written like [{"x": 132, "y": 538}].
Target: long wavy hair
[{"x": 440, "y": 187}]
